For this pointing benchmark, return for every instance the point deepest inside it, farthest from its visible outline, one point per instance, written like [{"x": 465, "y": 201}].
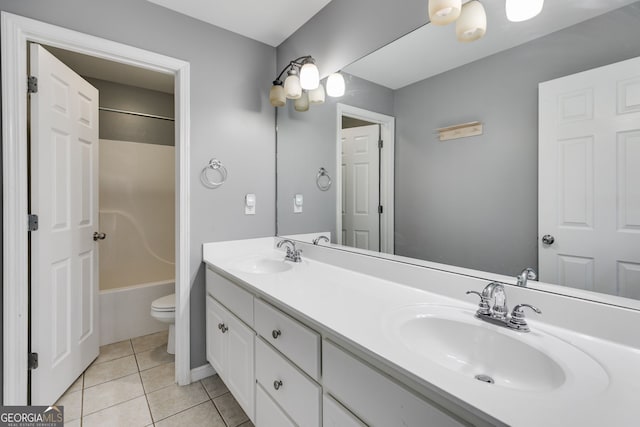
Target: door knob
[
  {"x": 548, "y": 239},
  {"x": 98, "y": 236}
]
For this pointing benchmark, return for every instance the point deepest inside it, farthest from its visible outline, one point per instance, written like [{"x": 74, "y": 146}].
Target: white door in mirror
[{"x": 589, "y": 211}]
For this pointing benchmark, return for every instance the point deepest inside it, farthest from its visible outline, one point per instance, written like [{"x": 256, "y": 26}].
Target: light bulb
[
  {"x": 302, "y": 104},
  {"x": 276, "y": 95},
  {"x": 443, "y": 12},
  {"x": 316, "y": 96},
  {"x": 309, "y": 76},
  {"x": 522, "y": 10},
  {"x": 292, "y": 88},
  {"x": 335, "y": 85},
  {"x": 472, "y": 23}
]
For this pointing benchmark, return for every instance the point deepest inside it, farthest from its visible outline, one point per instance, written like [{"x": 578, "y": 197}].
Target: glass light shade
[
  {"x": 276, "y": 96},
  {"x": 472, "y": 23},
  {"x": 443, "y": 12},
  {"x": 335, "y": 85},
  {"x": 302, "y": 104},
  {"x": 521, "y": 10},
  {"x": 316, "y": 96},
  {"x": 309, "y": 76},
  {"x": 292, "y": 88}
]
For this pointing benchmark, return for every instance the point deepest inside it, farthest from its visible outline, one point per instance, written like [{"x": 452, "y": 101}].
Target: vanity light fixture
[
  {"x": 522, "y": 10},
  {"x": 303, "y": 85},
  {"x": 472, "y": 23},
  {"x": 443, "y": 12},
  {"x": 335, "y": 85},
  {"x": 471, "y": 18}
]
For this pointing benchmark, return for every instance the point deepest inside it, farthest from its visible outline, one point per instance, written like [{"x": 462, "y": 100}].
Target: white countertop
[{"x": 353, "y": 306}]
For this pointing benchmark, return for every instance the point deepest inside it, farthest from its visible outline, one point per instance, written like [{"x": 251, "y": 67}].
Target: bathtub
[{"x": 125, "y": 312}]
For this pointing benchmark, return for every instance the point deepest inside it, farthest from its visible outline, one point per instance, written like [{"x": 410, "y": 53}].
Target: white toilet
[{"x": 164, "y": 310}]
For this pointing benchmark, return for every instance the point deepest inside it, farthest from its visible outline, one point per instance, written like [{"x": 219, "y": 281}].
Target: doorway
[
  {"x": 365, "y": 179},
  {"x": 17, "y": 33}
]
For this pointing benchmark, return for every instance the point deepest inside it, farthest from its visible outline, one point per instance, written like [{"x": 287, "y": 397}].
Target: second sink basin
[
  {"x": 261, "y": 265},
  {"x": 454, "y": 339}
]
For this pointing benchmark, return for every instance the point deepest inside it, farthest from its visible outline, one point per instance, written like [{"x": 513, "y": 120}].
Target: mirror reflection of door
[{"x": 360, "y": 184}]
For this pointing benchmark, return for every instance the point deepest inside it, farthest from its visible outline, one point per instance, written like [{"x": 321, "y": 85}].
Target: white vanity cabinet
[
  {"x": 230, "y": 342},
  {"x": 285, "y": 374}
]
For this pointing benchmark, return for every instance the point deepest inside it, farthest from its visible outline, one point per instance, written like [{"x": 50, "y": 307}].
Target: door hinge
[
  {"x": 32, "y": 84},
  {"x": 380, "y": 209},
  {"x": 380, "y": 143},
  {"x": 33, "y": 361},
  {"x": 33, "y": 222}
]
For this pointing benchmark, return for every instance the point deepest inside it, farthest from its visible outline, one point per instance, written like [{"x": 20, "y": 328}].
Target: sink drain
[{"x": 485, "y": 379}]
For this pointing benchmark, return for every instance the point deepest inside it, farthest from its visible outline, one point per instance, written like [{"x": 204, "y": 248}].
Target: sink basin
[
  {"x": 261, "y": 265},
  {"x": 453, "y": 338}
]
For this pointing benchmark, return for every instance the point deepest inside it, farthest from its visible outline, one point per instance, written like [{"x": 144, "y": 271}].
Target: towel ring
[
  {"x": 323, "y": 180},
  {"x": 216, "y": 166}
]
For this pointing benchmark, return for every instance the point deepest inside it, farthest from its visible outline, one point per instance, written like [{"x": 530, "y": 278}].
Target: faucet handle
[
  {"x": 517, "y": 320},
  {"x": 483, "y": 307}
]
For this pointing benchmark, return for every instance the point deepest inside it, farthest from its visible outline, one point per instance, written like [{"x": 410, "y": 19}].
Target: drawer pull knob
[
  {"x": 277, "y": 384},
  {"x": 276, "y": 333},
  {"x": 222, "y": 327}
]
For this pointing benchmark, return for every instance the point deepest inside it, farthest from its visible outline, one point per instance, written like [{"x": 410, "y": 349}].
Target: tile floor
[{"x": 131, "y": 383}]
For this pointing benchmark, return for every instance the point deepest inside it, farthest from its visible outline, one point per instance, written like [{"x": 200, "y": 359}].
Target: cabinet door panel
[
  {"x": 216, "y": 342},
  {"x": 373, "y": 397},
  {"x": 240, "y": 367}
]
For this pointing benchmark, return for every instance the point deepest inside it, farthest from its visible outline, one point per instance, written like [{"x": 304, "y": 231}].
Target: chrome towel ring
[
  {"x": 323, "y": 180},
  {"x": 218, "y": 168}
]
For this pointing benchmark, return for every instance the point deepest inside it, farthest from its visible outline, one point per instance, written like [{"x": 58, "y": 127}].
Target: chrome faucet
[
  {"x": 526, "y": 274},
  {"x": 293, "y": 254},
  {"x": 318, "y": 239},
  {"x": 498, "y": 314}
]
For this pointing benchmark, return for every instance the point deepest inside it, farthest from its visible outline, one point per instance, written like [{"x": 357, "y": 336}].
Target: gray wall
[
  {"x": 126, "y": 127},
  {"x": 473, "y": 201},
  {"x": 346, "y": 30},
  {"x": 231, "y": 118},
  {"x": 306, "y": 142}
]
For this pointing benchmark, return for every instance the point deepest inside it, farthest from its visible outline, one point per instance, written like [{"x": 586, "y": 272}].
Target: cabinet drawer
[
  {"x": 373, "y": 397},
  {"x": 336, "y": 415},
  {"x": 268, "y": 414},
  {"x": 232, "y": 296},
  {"x": 296, "y": 341},
  {"x": 297, "y": 394}
]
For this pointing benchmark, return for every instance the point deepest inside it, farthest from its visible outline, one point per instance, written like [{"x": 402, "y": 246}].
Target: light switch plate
[
  {"x": 298, "y": 201},
  {"x": 250, "y": 204}
]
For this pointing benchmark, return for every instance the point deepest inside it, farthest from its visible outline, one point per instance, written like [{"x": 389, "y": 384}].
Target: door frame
[
  {"x": 17, "y": 31},
  {"x": 387, "y": 134}
]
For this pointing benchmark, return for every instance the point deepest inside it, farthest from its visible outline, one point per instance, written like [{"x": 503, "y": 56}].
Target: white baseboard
[{"x": 202, "y": 372}]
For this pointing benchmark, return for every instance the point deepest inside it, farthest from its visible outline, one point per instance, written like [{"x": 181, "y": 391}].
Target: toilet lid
[{"x": 166, "y": 303}]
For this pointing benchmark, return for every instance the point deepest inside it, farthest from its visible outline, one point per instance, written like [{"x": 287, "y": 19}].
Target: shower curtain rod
[{"x": 135, "y": 113}]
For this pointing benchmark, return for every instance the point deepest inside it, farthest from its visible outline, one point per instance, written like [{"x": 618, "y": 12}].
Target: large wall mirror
[{"x": 483, "y": 202}]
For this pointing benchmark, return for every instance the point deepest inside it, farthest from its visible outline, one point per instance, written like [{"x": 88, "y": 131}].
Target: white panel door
[
  {"x": 361, "y": 187},
  {"x": 64, "y": 257},
  {"x": 241, "y": 379},
  {"x": 589, "y": 179},
  {"x": 216, "y": 342}
]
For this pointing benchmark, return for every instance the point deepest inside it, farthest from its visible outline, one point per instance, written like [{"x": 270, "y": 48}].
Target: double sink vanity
[{"x": 341, "y": 338}]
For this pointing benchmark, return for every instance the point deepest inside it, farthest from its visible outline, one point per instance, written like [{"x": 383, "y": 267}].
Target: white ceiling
[
  {"x": 431, "y": 50},
  {"x": 268, "y": 21}
]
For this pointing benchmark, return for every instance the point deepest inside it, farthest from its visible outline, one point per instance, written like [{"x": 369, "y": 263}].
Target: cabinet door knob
[
  {"x": 277, "y": 384},
  {"x": 222, "y": 327},
  {"x": 276, "y": 333}
]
